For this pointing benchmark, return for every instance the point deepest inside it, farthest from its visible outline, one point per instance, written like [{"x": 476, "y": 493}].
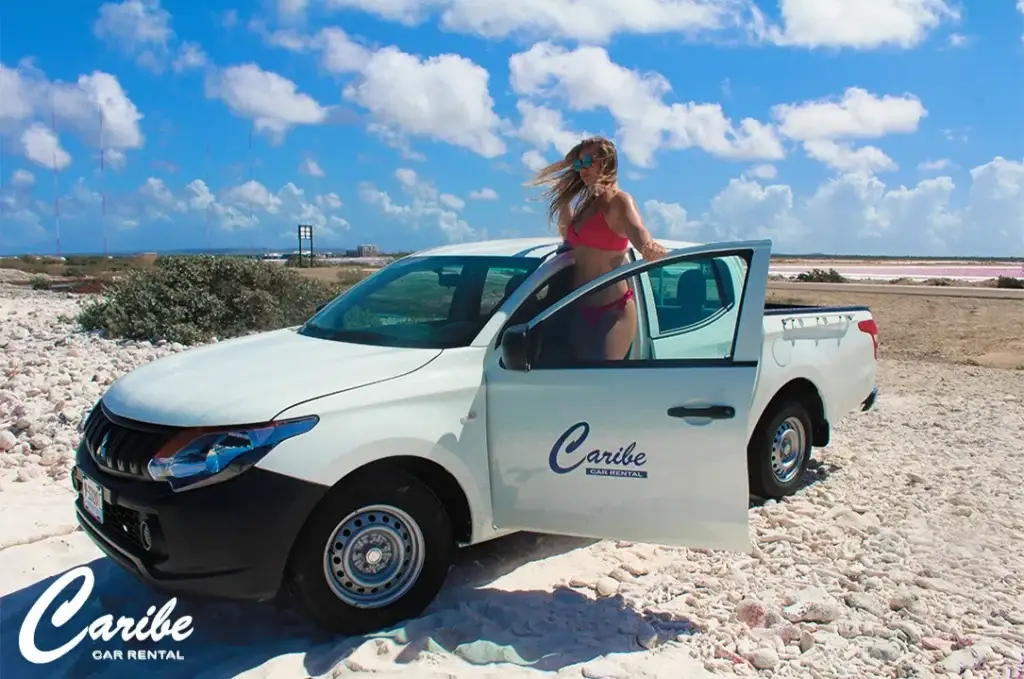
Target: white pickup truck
[{"x": 341, "y": 463}]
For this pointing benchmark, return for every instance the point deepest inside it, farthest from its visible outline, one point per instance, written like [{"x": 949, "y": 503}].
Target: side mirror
[{"x": 516, "y": 349}]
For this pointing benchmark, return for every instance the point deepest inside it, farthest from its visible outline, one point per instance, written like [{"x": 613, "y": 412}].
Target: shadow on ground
[
  {"x": 543, "y": 630},
  {"x": 817, "y": 471}
]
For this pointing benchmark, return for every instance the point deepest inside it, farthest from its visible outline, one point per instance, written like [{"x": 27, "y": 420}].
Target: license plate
[{"x": 92, "y": 498}]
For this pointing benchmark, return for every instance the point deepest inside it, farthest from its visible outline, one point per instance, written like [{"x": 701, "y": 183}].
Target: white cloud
[
  {"x": 487, "y": 193},
  {"x": 1020, "y": 8},
  {"x": 670, "y": 220},
  {"x": 864, "y": 24},
  {"x": 142, "y": 29},
  {"x": 41, "y": 145},
  {"x": 272, "y": 101},
  {"x": 858, "y": 115},
  {"x": 451, "y": 201},
  {"x": 158, "y": 201},
  {"x": 443, "y": 98},
  {"x": 290, "y": 10},
  {"x": 249, "y": 205},
  {"x": 587, "y": 20},
  {"x": 534, "y": 161},
  {"x": 763, "y": 171},
  {"x": 936, "y": 165},
  {"x": 190, "y": 56},
  {"x": 427, "y": 206},
  {"x": 957, "y": 40},
  {"x": 586, "y": 79},
  {"x": 139, "y": 28},
  {"x": 311, "y": 167},
  {"x": 856, "y": 213},
  {"x": 844, "y": 158},
  {"x": 22, "y": 178},
  {"x": 94, "y": 107},
  {"x": 329, "y": 201},
  {"x": 544, "y": 128}
]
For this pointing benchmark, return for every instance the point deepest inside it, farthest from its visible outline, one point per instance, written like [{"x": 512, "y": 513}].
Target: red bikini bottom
[{"x": 594, "y": 314}]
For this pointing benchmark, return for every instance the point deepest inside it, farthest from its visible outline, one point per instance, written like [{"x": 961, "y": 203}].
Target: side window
[
  {"x": 499, "y": 283},
  {"x": 689, "y": 293},
  {"x": 696, "y": 307},
  {"x": 599, "y": 328}
]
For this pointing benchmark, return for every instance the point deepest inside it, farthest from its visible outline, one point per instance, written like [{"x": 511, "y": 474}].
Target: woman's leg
[{"x": 620, "y": 334}]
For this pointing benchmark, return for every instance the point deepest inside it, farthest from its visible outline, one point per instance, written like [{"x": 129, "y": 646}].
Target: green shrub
[
  {"x": 39, "y": 282},
  {"x": 821, "y": 276},
  {"x": 193, "y": 299},
  {"x": 1010, "y": 282}
]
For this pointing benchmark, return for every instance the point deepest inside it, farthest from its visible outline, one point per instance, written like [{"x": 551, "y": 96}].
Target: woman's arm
[
  {"x": 564, "y": 220},
  {"x": 624, "y": 219}
]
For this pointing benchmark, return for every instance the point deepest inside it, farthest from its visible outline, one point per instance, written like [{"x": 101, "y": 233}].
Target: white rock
[
  {"x": 764, "y": 658},
  {"x": 606, "y": 586},
  {"x": 812, "y": 604}
]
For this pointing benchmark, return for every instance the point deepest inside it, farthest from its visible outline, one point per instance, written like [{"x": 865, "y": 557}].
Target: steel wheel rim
[
  {"x": 374, "y": 556},
  {"x": 788, "y": 449}
]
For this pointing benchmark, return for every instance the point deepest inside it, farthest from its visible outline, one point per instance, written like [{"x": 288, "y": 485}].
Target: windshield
[{"x": 422, "y": 302}]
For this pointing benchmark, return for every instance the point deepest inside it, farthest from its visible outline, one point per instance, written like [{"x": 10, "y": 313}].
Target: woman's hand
[{"x": 624, "y": 219}]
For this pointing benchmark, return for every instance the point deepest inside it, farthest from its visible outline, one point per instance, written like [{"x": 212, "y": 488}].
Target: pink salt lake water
[{"x": 855, "y": 271}]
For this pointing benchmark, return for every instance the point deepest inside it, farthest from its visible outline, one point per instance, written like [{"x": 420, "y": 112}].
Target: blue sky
[{"x": 841, "y": 126}]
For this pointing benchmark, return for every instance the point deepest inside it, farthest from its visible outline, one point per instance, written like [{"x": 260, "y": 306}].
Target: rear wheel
[
  {"x": 779, "y": 451},
  {"x": 374, "y": 553}
]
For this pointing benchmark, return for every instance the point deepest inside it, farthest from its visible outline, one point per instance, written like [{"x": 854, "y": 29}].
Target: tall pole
[
  {"x": 56, "y": 178},
  {"x": 249, "y": 162},
  {"x": 206, "y": 173},
  {"x": 103, "y": 183},
  {"x": 3, "y": 211}
]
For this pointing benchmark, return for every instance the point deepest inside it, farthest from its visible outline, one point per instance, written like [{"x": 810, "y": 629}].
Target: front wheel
[
  {"x": 374, "y": 553},
  {"x": 779, "y": 451}
]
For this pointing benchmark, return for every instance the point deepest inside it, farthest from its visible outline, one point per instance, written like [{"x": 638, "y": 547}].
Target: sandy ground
[{"x": 901, "y": 558}]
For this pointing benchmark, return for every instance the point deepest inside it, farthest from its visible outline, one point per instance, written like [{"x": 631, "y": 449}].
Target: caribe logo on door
[{"x": 624, "y": 462}]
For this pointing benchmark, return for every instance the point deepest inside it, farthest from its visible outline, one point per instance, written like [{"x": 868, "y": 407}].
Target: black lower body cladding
[{"x": 230, "y": 540}]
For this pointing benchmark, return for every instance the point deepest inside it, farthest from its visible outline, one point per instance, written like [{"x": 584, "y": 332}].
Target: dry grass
[
  {"x": 347, "y": 275},
  {"x": 961, "y": 330}
]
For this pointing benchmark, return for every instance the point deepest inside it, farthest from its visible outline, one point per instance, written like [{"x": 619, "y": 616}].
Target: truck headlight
[{"x": 215, "y": 456}]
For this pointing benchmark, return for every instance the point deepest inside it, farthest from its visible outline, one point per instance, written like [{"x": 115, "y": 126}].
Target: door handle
[{"x": 712, "y": 412}]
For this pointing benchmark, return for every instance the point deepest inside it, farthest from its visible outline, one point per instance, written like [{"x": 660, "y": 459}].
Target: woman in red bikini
[{"x": 598, "y": 221}]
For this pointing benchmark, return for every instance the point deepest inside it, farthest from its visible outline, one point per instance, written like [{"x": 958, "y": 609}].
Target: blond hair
[{"x": 565, "y": 190}]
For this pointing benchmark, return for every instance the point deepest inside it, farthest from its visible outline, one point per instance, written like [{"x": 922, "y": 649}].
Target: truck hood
[{"x": 252, "y": 379}]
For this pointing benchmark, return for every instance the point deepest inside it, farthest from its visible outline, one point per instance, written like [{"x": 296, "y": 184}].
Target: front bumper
[
  {"x": 870, "y": 402},
  {"x": 228, "y": 540}
]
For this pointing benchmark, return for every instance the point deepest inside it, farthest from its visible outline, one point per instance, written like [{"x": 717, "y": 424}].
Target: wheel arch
[
  {"x": 803, "y": 391},
  {"x": 438, "y": 479}
]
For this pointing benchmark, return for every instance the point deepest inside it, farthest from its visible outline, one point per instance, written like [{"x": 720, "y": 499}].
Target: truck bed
[
  {"x": 829, "y": 346},
  {"x": 775, "y": 309}
]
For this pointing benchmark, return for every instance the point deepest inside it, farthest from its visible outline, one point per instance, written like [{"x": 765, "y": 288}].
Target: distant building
[{"x": 366, "y": 251}]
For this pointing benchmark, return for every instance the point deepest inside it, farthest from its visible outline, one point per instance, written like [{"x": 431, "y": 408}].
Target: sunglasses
[{"x": 585, "y": 161}]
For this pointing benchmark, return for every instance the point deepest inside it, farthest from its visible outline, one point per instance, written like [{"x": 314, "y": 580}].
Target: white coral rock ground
[{"x": 902, "y": 559}]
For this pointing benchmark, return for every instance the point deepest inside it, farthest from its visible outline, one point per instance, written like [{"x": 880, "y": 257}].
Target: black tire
[
  {"x": 774, "y": 481},
  {"x": 307, "y": 581}
]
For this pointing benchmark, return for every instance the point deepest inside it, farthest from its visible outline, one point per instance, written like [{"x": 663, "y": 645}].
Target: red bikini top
[{"x": 595, "y": 233}]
